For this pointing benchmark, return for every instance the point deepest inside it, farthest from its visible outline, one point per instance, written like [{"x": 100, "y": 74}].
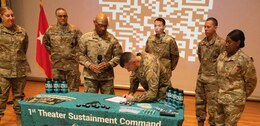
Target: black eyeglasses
[{"x": 60, "y": 16}]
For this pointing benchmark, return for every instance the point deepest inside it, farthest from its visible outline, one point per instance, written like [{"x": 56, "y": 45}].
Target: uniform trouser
[
  {"x": 228, "y": 114},
  {"x": 17, "y": 85},
  {"x": 72, "y": 77},
  {"x": 93, "y": 86},
  {"x": 162, "y": 90},
  {"x": 206, "y": 96}
]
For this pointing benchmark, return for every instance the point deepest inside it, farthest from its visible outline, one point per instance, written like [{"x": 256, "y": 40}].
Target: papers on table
[
  {"x": 48, "y": 99},
  {"x": 116, "y": 99},
  {"x": 134, "y": 110}
]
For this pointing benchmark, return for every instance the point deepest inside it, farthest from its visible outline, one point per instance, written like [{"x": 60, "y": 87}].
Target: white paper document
[{"x": 116, "y": 99}]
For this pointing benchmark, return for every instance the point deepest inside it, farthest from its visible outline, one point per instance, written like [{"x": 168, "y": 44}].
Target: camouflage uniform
[
  {"x": 62, "y": 43},
  {"x": 237, "y": 80},
  {"x": 152, "y": 76},
  {"x": 206, "y": 87},
  {"x": 166, "y": 49},
  {"x": 91, "y": 45},
  {"x": 13, "y": 65}
]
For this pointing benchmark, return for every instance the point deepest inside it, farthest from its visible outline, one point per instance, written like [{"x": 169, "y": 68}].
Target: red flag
[{"x": 42, "y": 56}]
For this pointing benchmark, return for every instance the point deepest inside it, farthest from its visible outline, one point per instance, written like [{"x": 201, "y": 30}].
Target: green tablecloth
[{"x": 67, "y": 114}]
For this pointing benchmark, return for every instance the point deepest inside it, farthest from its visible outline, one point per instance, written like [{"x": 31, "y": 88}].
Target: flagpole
[
  {"x": 41, "y": 3},
  {"x": 3, "y": 3}
]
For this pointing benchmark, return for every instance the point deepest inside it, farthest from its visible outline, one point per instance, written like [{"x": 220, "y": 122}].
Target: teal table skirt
[{"x": 68, "y": 114}]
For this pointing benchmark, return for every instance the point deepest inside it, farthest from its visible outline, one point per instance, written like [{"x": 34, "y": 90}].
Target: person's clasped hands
[{"x": 99, "y": 68}]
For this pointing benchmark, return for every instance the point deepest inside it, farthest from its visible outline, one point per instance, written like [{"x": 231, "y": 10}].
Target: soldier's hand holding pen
[{"x": 128, "y": 97}]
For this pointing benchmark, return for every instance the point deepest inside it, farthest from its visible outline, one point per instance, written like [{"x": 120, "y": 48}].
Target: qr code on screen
[{"x": 131, "y": 22}]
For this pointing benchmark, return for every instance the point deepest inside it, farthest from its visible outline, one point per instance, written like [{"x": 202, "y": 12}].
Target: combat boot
[
  {"x": 18, "y": 120},
  {"x": 200, "y": 123},
  {"x": 212, "y": 124}
]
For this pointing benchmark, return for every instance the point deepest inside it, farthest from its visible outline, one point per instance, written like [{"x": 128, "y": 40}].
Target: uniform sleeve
[
  {"x": 78, "y": 35},
  {"x": 222, "y": 46},
  {"x": 117, "y": 51},
  {"x": 147, "y": 46},
  {"x": 174, "y": 54},
  {"x": 199, "y": 52},
  {"x": 46, "y": 41},
  {"x": 77, "y": 38},
  {"x": 134, "y": 84},
  {"x": 83, "y": 57},
  {"x": 153, "y": 83},
  {"x": 26, "y": 43},
  {"x": 250, "y": 78}
]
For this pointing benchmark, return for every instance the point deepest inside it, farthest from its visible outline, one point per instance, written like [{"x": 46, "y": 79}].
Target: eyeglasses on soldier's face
[{"x": 62, "y": 16}]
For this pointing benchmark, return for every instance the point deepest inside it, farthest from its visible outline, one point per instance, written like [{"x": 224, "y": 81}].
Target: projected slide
[{"x": 131, "y": 21}]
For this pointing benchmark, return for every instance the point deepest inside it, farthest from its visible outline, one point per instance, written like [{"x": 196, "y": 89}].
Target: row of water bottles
[
  {"x": 174, "y": 97},
  {"x": 56, "y": 86}
]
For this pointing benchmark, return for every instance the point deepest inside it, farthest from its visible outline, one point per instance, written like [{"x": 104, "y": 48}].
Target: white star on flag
[{"x": 40, "y": 37}]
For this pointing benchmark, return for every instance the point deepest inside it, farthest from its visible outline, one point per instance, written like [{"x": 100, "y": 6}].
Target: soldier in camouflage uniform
[
  {"x": 146, "y": 70},
  {"x": 61, "y": 41},
  {"x": 236, "y": 79},
  {"x": 163, "y": 46},
  {"x": 13, "y": 62},
  {"x": 206, "y": 88},
  {"x": 100, "y": 52}
]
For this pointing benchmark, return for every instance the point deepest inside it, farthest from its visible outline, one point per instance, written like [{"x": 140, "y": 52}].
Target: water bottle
[
  {"x": 180, "y": 99},
  {"x": 174, "y": 97},
  {"x": 64, "y": 86},
  {"x": 56, "y": 86},
  {"x": 168, "y": 95},
  {"x": 48, "y": 85}
]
